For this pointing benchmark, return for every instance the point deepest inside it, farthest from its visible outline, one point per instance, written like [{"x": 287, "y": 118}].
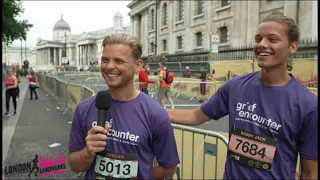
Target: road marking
[{"x": 54, "y": 145}]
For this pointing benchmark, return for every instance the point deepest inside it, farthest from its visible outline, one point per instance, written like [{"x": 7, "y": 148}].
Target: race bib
[
  {"x": 116, "y": 166},
  {"x": 252, "y": 150}
]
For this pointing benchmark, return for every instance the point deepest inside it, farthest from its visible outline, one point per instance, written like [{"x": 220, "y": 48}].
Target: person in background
[
  {"x": 16, "y": 73},
  {"x": 11, "y": 91},
  {"x": 187, "y": 73},
  {"x": 144, "y": 79},
  {"x": 212, "y": 76},
  {"x": 164, "y": 88},
  {"x": 33, "y": 81},
  {"x": 202, "y": 77}
]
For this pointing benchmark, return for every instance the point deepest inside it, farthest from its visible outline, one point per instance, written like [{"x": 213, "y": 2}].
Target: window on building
[
  {"x": 224, "y": 3},
  {"x": 152, "y": 47},
  {"x": 164, "y": 45},
  {"x": 152, "y": 19},
  {"x": 199, "y": 39},
  {"x": 223, "y": 35},
  {"x": 199, "y": 6},
  {"x": 165, "y": 14},
  {"x": 180, "y": 10},
  {"x": 179, "y": 40}
]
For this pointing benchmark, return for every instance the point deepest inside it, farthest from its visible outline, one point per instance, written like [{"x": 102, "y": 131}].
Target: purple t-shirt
[
  {"x": 144, "y": 118},
  {"x": 289, "y": 112}
]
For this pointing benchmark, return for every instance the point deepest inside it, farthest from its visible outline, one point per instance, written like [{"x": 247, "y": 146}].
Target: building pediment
[{"x": 49, "y": 44}]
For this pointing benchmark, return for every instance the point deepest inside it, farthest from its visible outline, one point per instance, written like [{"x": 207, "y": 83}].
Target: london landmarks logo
[{"x": 39, "y": 166}]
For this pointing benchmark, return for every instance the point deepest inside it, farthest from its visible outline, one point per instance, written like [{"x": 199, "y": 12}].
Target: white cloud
[{"x": 80, "y": 15}]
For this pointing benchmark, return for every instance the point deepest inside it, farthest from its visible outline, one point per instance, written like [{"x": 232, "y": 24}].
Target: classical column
[
  {"x": 314, "y": 31},
  {"x": 136, "y": 26},
  {"x": 70, "y": 55},
  {"x": 48, "y": 56},
  {"x": 291, "y": 9},
  {"x": 54, "y": 56},
  {"x": 60, "y": 56},
  {"x": 86, "y": 54},
  {"x": 253, "y": 20},
  {"x": 82, "y": 55},
  {"x": 132, "y": 27}
]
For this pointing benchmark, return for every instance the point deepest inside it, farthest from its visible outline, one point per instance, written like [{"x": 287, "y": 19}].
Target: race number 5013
[{"x": 114, "y": 168}]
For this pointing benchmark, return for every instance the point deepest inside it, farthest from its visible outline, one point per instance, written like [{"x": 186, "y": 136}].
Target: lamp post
[
  {"x": 21, "y": 52},
  {"x": 25, "y": 49}
]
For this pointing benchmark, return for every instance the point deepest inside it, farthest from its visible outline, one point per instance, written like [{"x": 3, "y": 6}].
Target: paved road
[{"x": 39, "y": 125}]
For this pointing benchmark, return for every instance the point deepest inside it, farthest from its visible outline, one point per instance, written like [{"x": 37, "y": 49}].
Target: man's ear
[
  {"x": 293, "y": 47},
  {"x": 139, "y": 64}
]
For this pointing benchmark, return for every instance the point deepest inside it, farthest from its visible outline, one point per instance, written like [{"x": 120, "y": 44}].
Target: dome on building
[
  {"x": 118, "y": 15},
  {"x": 61, "y": 25}
]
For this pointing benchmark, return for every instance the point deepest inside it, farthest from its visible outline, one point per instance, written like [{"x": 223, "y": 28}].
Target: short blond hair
[{"x": 121, "y": 38}]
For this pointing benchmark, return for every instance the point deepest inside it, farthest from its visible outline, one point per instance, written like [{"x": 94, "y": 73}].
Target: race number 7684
[{"x": 252, "y": 148}]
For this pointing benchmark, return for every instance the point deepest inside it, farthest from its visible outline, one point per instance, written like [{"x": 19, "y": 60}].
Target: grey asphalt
[{"x": 39, "y": 125}]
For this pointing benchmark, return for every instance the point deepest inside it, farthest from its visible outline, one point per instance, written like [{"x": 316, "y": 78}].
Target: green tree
[{"x": 13, "y": 29}]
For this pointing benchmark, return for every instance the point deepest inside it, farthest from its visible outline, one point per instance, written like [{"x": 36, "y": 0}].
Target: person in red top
[
  {"x": 164, "y": 88},
  {"x": 144, "y": 79},
  {"x": 11, "y": 91},
  {"x": 33, "y": 80},
  {"x": 16, "y": 73}
]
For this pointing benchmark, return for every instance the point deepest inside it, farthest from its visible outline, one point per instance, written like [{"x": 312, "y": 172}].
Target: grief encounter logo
[
  {"x": 246, "y": 112},
  {"x": 40, "y": 166}
]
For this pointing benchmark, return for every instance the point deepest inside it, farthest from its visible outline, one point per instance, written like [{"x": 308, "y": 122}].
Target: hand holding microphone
[{"x": 96, "y": 139}]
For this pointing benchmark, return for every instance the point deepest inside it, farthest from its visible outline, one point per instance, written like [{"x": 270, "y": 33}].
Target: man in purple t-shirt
[
  {"x": 272, "y": 117},
  {"x": 137, "y": 127}
]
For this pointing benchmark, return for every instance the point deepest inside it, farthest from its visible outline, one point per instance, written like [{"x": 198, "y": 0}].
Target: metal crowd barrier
[{"x": 202, "y": 153}]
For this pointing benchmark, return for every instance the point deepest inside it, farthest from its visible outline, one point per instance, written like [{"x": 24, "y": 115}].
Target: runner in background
[
  {"x": 33, "y": 84},
  {"x": 144, "y": 79},
  {"x": 164, "y": 87},
  {"x": 11, "y": 92},
  {"x": 137, "y": 127},
  {"x": 16, "y": 73},
  {"x": 203, "y": 78},
  {"x": 272, "y": 117}
]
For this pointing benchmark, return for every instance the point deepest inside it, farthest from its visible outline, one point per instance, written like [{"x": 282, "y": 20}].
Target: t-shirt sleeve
[
  {"x": 308, "y": 141},
  {"x": 217, "y": 106},
  {"x": 164, "y": 145},
  {"x": 77, "y": 133}
]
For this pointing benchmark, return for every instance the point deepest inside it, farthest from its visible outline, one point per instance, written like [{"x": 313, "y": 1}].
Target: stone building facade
[
  {"x": 173, "y": 27},
  {"x": 79, "y": 50}
]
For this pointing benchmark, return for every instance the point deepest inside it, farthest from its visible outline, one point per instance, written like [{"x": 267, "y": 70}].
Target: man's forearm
[
  {"x": 80, "y": 161},
  {"x": 161, "y": 172},
  {"x": 309, "y": 175},
  {"x": 184, "y": 117}
]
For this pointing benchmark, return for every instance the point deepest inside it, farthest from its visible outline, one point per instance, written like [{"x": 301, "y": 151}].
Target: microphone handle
[
  {"x": 102, "y": 114},
  {"x": 101, "y": 118}
]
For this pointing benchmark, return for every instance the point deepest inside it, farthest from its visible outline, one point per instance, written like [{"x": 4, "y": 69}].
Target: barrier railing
[{"x": 202, "y": 153}]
